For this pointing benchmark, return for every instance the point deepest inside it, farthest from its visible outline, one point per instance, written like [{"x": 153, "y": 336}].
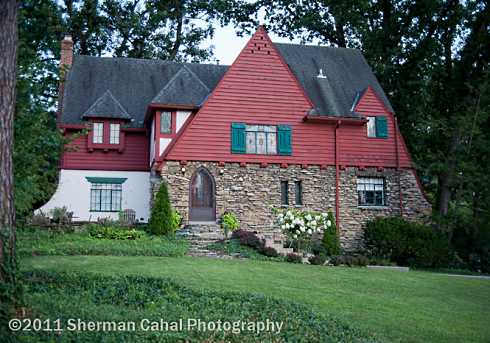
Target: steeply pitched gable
[
  {"x": 257, "y": 89},
  {"x": 106, "y": 107}
]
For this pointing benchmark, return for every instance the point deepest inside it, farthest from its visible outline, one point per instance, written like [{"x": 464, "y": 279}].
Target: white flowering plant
[{"x": 301, "y": 225}]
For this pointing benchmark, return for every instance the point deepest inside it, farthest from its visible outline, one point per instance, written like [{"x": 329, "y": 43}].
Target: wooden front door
[{"x": 202, "y": 205}]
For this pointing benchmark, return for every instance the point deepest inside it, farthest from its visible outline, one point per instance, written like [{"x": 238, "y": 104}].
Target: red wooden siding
[
  {"x": 257, "y": 89},
  {"x": 260, "y": 89},
  {"x": 134, "y": 157},
  {"x": 357, "y": 149}
]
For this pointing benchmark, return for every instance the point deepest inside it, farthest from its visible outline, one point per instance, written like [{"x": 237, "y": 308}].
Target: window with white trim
[
  {"x": 114, "y": 133},
  {"x": 261, "y": 139},
  {"x": 371, "y": 127},
  {"x": 105, "y": 197},
  {"x": 371, "y": 191},
  {"x": 98, "y": 133}
]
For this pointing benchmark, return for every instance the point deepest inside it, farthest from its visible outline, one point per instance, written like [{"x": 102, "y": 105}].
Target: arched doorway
[{"x": 202, "y": 200}]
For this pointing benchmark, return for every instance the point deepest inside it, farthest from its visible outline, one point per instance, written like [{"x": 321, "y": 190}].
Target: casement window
[
  {"x": 371, "y": 191},
  {"x": 284, "y": 193},
  {"x": 98, "y": 133},
  {"x": 166, "y": 122},
  {"x": 260, "y": 139},
  {"x": 377, "y": 127},
  {"x": 114, "y": 133},
  {"x": 298, "y": 193},
  {"x": 105, "y": 193}
]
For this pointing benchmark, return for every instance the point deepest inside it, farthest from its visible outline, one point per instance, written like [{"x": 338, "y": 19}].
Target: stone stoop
[
  {"x": 200, "y": 235},
  {"x": 276, "y": 240}
]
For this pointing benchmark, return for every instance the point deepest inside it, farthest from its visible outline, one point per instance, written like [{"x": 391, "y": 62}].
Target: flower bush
[{"x": 302, "y": 225}]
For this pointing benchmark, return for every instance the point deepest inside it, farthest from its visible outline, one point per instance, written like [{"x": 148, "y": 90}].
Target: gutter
[{"x": 337, "y": 172}]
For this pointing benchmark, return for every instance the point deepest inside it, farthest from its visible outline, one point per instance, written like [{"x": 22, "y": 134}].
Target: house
[{"x": 284, "y": 125}]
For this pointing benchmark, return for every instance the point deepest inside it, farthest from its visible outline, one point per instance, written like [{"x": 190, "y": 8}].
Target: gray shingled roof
[
  {"x": 346, "y": 71},
  {"x": 133, "y": 82},
  {"x": 136, "y": 83},
  {"x": 183, "y": 82},
  {"x": 106, "y": 107}
]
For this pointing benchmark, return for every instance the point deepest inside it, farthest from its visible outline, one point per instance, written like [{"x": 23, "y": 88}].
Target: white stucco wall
[
  {"x": 181, "y": 118},
  {"x": 74, "y": 193},
  {"x": 164, "y": 142}
]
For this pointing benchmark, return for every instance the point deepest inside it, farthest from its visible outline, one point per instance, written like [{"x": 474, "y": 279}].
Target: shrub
[
  {"x": 161, "y": 214},
  {"x": 318, "y": 248},
  {"x": 229, "y": 222},
  {"x": 108, "y": 232},
  {"x": 39, "y": 219},
  {"x": 317, "y": 260},
  {"x": 176, "y": 220},
  {"x": 248, "y": 238},
  {"x": 294, "y": 258},
  {"x": 61, "y": 215},
  {"x": 330, "y": 239},
  {"x": 350, "y": 260},
  {"x": 269, "y": 251},
  {"x": 406, "y": 243}
]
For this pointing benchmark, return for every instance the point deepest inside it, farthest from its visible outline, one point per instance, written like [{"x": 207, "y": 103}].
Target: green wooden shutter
[
  {"x": 238, "y": 138},
  {"x": 284, "y": 140},
  {"x": 381, "y": 127}
]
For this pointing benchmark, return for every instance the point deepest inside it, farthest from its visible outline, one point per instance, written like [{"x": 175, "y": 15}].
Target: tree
[
  {"x": 161, "y": 213},
  {"x": 8, "y": 54}
]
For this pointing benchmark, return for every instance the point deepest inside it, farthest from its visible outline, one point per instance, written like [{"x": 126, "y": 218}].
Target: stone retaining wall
[{"x": 251, "y": 191}]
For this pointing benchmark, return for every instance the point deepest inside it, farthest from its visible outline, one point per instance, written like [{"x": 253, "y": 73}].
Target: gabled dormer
[{"x": 106, "y": 117}]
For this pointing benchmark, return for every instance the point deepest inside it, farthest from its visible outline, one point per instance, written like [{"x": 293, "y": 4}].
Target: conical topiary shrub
[
  {"x": 161, "y": 213},
  {"x": 330, "y": 239}
]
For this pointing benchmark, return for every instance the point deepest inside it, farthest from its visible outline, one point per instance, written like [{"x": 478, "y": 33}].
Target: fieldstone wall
[{"x": 251, "y": 191}]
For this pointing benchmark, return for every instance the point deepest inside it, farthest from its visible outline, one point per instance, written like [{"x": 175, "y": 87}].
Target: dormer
[{"x": 106, "y": 117}]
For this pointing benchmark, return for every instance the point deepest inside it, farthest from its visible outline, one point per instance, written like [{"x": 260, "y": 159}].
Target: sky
[{"x": 227, "y": 45}]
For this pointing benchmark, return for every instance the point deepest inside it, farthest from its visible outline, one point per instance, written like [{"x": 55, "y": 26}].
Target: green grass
[
  {"x": 233, "y": 247},
  {"x": 402, "y": 307},
  {"x": 131, "y": 299},
  {"x": 33, "y": 242}
]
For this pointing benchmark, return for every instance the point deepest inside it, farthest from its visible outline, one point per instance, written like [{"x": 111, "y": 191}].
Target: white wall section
[
  {"x": 181, "y": 118},
  {"x": 74, "y": 192}
]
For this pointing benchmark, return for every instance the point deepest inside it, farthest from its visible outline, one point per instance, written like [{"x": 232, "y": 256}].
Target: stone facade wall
[{"x": 251, "y": 191}]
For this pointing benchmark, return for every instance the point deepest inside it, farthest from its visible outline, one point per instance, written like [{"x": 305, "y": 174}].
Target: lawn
[
  {"x": 34, "y": 242},
  {"x": 402, "y": 307}
]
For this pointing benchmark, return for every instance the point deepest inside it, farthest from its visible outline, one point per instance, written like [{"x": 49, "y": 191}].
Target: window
[
  {"x": 298, "y": 194},
  {"x": 261, "y": 139},
  {"x": 166, "y": 122},
  {"x": 114, "y": 134},
  {"x": 98, "y": 133},
  {"x": 371, "y": 191},
  {"x": 377, "y": 127},
  {"x": 105, "y": 197},
  {"x": 371, "y": 127},
  {"x": 284, "y": 193}
]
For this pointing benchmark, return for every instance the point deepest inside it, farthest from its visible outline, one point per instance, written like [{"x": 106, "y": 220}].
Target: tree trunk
[{"x": 8, "y": 54}]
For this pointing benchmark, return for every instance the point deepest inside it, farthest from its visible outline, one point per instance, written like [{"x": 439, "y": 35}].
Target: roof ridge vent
[{"x": 320, "y": 74}]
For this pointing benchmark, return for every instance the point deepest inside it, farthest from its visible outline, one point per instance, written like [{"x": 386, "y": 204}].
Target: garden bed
[{"x": 34, "y": 241}]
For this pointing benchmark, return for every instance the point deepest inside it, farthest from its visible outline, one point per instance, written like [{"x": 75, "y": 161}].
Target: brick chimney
[
  {"x": 66, "y": 52},
  {"x": 66, "y": 61}
]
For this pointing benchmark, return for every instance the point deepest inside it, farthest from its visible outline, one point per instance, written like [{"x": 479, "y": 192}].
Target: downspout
[
  {"x": 337, "y": 190},
  {"x": 400, "y": 194}
]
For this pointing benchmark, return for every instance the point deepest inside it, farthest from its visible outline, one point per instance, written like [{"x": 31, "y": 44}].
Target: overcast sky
[{"x": 227, "y": 45}]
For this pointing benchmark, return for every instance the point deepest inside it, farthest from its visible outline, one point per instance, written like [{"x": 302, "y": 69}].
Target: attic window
[{"x": 98, "y": 133}]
